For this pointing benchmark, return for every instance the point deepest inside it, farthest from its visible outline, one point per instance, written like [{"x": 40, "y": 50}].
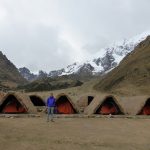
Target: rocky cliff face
[{"x": 25, "y": 72}]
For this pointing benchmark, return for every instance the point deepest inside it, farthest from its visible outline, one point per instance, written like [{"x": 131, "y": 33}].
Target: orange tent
[
  {"x": 12, "y": 105},
  {"x": 106, "y": 109},
  {"x": 108, "y": 106},
  {"x": 64, "y": 105},
  {"x": 16, "y": 103}
]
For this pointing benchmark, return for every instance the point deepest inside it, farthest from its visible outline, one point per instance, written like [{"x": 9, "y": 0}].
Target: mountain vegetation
[{"x": 132, "y": 75}]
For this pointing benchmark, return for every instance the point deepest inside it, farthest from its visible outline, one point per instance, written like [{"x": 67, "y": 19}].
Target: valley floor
[{"x": 74, "y": 134}]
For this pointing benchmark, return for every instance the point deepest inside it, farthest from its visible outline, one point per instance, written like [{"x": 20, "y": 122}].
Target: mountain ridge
[{"x": 104, "y": 61}]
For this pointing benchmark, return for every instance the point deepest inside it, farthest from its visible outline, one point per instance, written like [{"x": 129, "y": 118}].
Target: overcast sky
[{"x": 51, "y": 34}]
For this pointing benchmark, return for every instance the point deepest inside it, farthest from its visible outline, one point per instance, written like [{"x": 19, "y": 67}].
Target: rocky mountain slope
[
  {"x": 103, "y": 61},
  {"x": 9, "y": 74},
  {"x": 25, "y": 72},
  {"x": 132, "y": 76}
]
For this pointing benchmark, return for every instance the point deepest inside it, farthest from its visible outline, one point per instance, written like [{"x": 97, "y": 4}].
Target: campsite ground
[{"x": 74, "y": 134}]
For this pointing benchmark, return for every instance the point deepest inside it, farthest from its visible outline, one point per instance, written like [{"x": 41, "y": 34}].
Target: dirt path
[{"x": 74, "y": 134}]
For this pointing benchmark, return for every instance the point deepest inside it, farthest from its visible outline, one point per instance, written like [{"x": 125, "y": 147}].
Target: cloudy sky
[{"x": 51, "y": 34}]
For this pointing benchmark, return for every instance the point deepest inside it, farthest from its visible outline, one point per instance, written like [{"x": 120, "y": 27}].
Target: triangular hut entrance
[
  {"x": 36, "y": 100},
  {"x": 12, "y": 105},
  {"x": 146, "y": 108},
  {"x": 90, "y": 99},
  {"x": 64, "y": 105},
  {"x": 108, "y": 106}
]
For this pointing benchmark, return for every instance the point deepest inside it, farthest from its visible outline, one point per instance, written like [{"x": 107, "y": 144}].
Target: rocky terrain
[{"x": 25, "y": 72}]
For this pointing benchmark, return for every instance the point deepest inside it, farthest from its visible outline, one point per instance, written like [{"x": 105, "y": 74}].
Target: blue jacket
[{"x": 51, "y": 102}]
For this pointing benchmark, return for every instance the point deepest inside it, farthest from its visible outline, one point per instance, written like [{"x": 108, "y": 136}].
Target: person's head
[{"x": 51, "y": 95}]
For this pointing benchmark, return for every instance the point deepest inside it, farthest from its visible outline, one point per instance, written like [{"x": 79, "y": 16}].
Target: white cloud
[{"x": 51, "y": 34}]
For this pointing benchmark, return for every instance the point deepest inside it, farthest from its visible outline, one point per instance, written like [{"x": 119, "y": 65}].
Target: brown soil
[{"x": 74, "y": 134}]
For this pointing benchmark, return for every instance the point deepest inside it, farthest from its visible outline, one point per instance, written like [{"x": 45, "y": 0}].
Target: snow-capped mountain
[{"x": 105, "y": 60}]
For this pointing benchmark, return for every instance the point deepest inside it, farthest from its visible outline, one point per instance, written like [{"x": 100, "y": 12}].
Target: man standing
[{"x": 50, "y": 107}]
